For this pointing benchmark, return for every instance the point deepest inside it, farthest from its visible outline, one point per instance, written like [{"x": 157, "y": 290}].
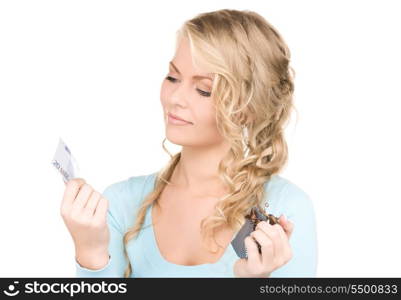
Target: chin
[{"x": 178, "y": 139}]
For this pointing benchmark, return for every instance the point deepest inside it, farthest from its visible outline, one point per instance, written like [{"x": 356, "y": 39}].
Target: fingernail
[{"x": 284, "y": 217}]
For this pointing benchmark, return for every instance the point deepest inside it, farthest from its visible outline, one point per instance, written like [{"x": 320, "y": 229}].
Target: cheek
[
  {"x": 207, "y": 129},
  {"x": 164, "y": 94},
  {"x": 206, "y": 116}
]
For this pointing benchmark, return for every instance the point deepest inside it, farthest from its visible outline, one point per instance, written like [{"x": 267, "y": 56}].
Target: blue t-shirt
[{"x": 146, "y": 260}]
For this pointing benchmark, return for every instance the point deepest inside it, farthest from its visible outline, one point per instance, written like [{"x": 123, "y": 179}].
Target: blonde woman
[{"x": 226, "y": 100}]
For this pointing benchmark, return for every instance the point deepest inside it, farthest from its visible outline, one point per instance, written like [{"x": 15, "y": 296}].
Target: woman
[{"x": 226, "y": 99}]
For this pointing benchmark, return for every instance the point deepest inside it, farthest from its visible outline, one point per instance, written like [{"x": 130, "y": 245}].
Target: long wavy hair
[{"x": 252, "y": 93}]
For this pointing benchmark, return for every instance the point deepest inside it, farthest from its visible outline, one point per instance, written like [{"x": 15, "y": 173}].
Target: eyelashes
[{"x": 202, "y": 93}]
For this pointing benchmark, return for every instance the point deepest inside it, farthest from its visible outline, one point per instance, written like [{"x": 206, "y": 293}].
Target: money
[{"x": 64, "y": 162}]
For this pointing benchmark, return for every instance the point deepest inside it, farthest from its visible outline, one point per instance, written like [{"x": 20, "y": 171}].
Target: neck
[{"x": 198, "y": 167}]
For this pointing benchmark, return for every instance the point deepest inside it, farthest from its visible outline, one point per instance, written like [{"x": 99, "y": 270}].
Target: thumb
[
  {"x": 287, "y": 225},
  {"x": 240, "y": 267}
]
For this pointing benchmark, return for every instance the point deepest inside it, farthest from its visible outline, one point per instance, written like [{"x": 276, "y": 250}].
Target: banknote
[{"x": 65, "y": 162}]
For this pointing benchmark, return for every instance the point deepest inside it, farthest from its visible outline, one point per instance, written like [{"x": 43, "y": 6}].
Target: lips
[{"x": 178, "y": 118}]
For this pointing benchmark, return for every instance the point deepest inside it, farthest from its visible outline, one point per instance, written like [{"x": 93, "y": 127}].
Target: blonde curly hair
[{"x": 253, "y": 97}]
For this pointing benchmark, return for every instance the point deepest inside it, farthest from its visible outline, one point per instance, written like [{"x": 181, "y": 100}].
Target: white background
[{"x": 90, "y": 72}]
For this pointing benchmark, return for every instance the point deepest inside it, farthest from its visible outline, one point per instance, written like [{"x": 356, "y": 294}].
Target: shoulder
[
  {"x": 125, "y": 196},
  {"x": 284, "y": 196},
  {"x": 131, "y": 186}
]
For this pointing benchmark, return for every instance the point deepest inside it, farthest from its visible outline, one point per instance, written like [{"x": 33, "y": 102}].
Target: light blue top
[{"x": 146, "y": 260}]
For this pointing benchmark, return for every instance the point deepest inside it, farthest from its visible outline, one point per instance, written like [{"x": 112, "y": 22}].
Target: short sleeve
[
  {"x": 117, "y": 261},
  {"x": 299, "y": 209}
]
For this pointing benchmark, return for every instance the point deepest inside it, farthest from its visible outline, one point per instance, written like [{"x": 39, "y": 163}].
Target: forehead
[
  {"x": 182, "y": 62},
  {"x": 196, "y": 76}
]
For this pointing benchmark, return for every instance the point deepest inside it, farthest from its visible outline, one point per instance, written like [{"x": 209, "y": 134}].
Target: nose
[{"x": 179, "y": 95}]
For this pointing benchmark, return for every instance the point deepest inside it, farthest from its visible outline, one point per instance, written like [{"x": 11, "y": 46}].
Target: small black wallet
[{"x": 251, "y": 220}]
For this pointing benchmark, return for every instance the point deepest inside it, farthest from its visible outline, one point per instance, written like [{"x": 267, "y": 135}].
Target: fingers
[
  {"x": 101, "y": 209},
  {"x": 267, "y": 245},
  {"x": 274, "y": 243},
  {"x": 72, "y": 188},
  {"x": 92, "y": 203},
  {"x": 281, "y": 245},
  {"x": 252, "y": 251},
  {"x": 82, "y": 197}
]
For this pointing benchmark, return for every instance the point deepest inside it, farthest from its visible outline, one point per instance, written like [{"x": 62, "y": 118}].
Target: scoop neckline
[
  {"x": 228, "y": 256},
  {"x": 229, "y": 252}
]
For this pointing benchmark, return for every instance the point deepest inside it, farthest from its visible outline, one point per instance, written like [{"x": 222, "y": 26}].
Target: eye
[
  {"x": 202, "y": 93},
  {"x": 172, "y": 79}
]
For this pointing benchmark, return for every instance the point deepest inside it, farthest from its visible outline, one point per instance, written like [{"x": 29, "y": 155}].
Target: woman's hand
[
  {"x": 275, "y": 248},
  {"x": 84, "y": 212}
]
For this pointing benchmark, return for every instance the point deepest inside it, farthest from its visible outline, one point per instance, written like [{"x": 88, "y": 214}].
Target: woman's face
[{"x": 186, "y": 93}]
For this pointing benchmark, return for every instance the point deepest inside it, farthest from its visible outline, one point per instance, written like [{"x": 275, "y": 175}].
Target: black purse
[{"x": 251, "y": 220}]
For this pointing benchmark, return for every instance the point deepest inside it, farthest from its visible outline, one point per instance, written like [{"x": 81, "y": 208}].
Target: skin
[
  {"x": 84, "y": 210},
  {"x": 197, "y": 171},
  {"x": 202, "y": 146}
]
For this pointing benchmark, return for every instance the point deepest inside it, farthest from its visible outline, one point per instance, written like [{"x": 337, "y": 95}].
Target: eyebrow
[{"x": 195, "y": 76}]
